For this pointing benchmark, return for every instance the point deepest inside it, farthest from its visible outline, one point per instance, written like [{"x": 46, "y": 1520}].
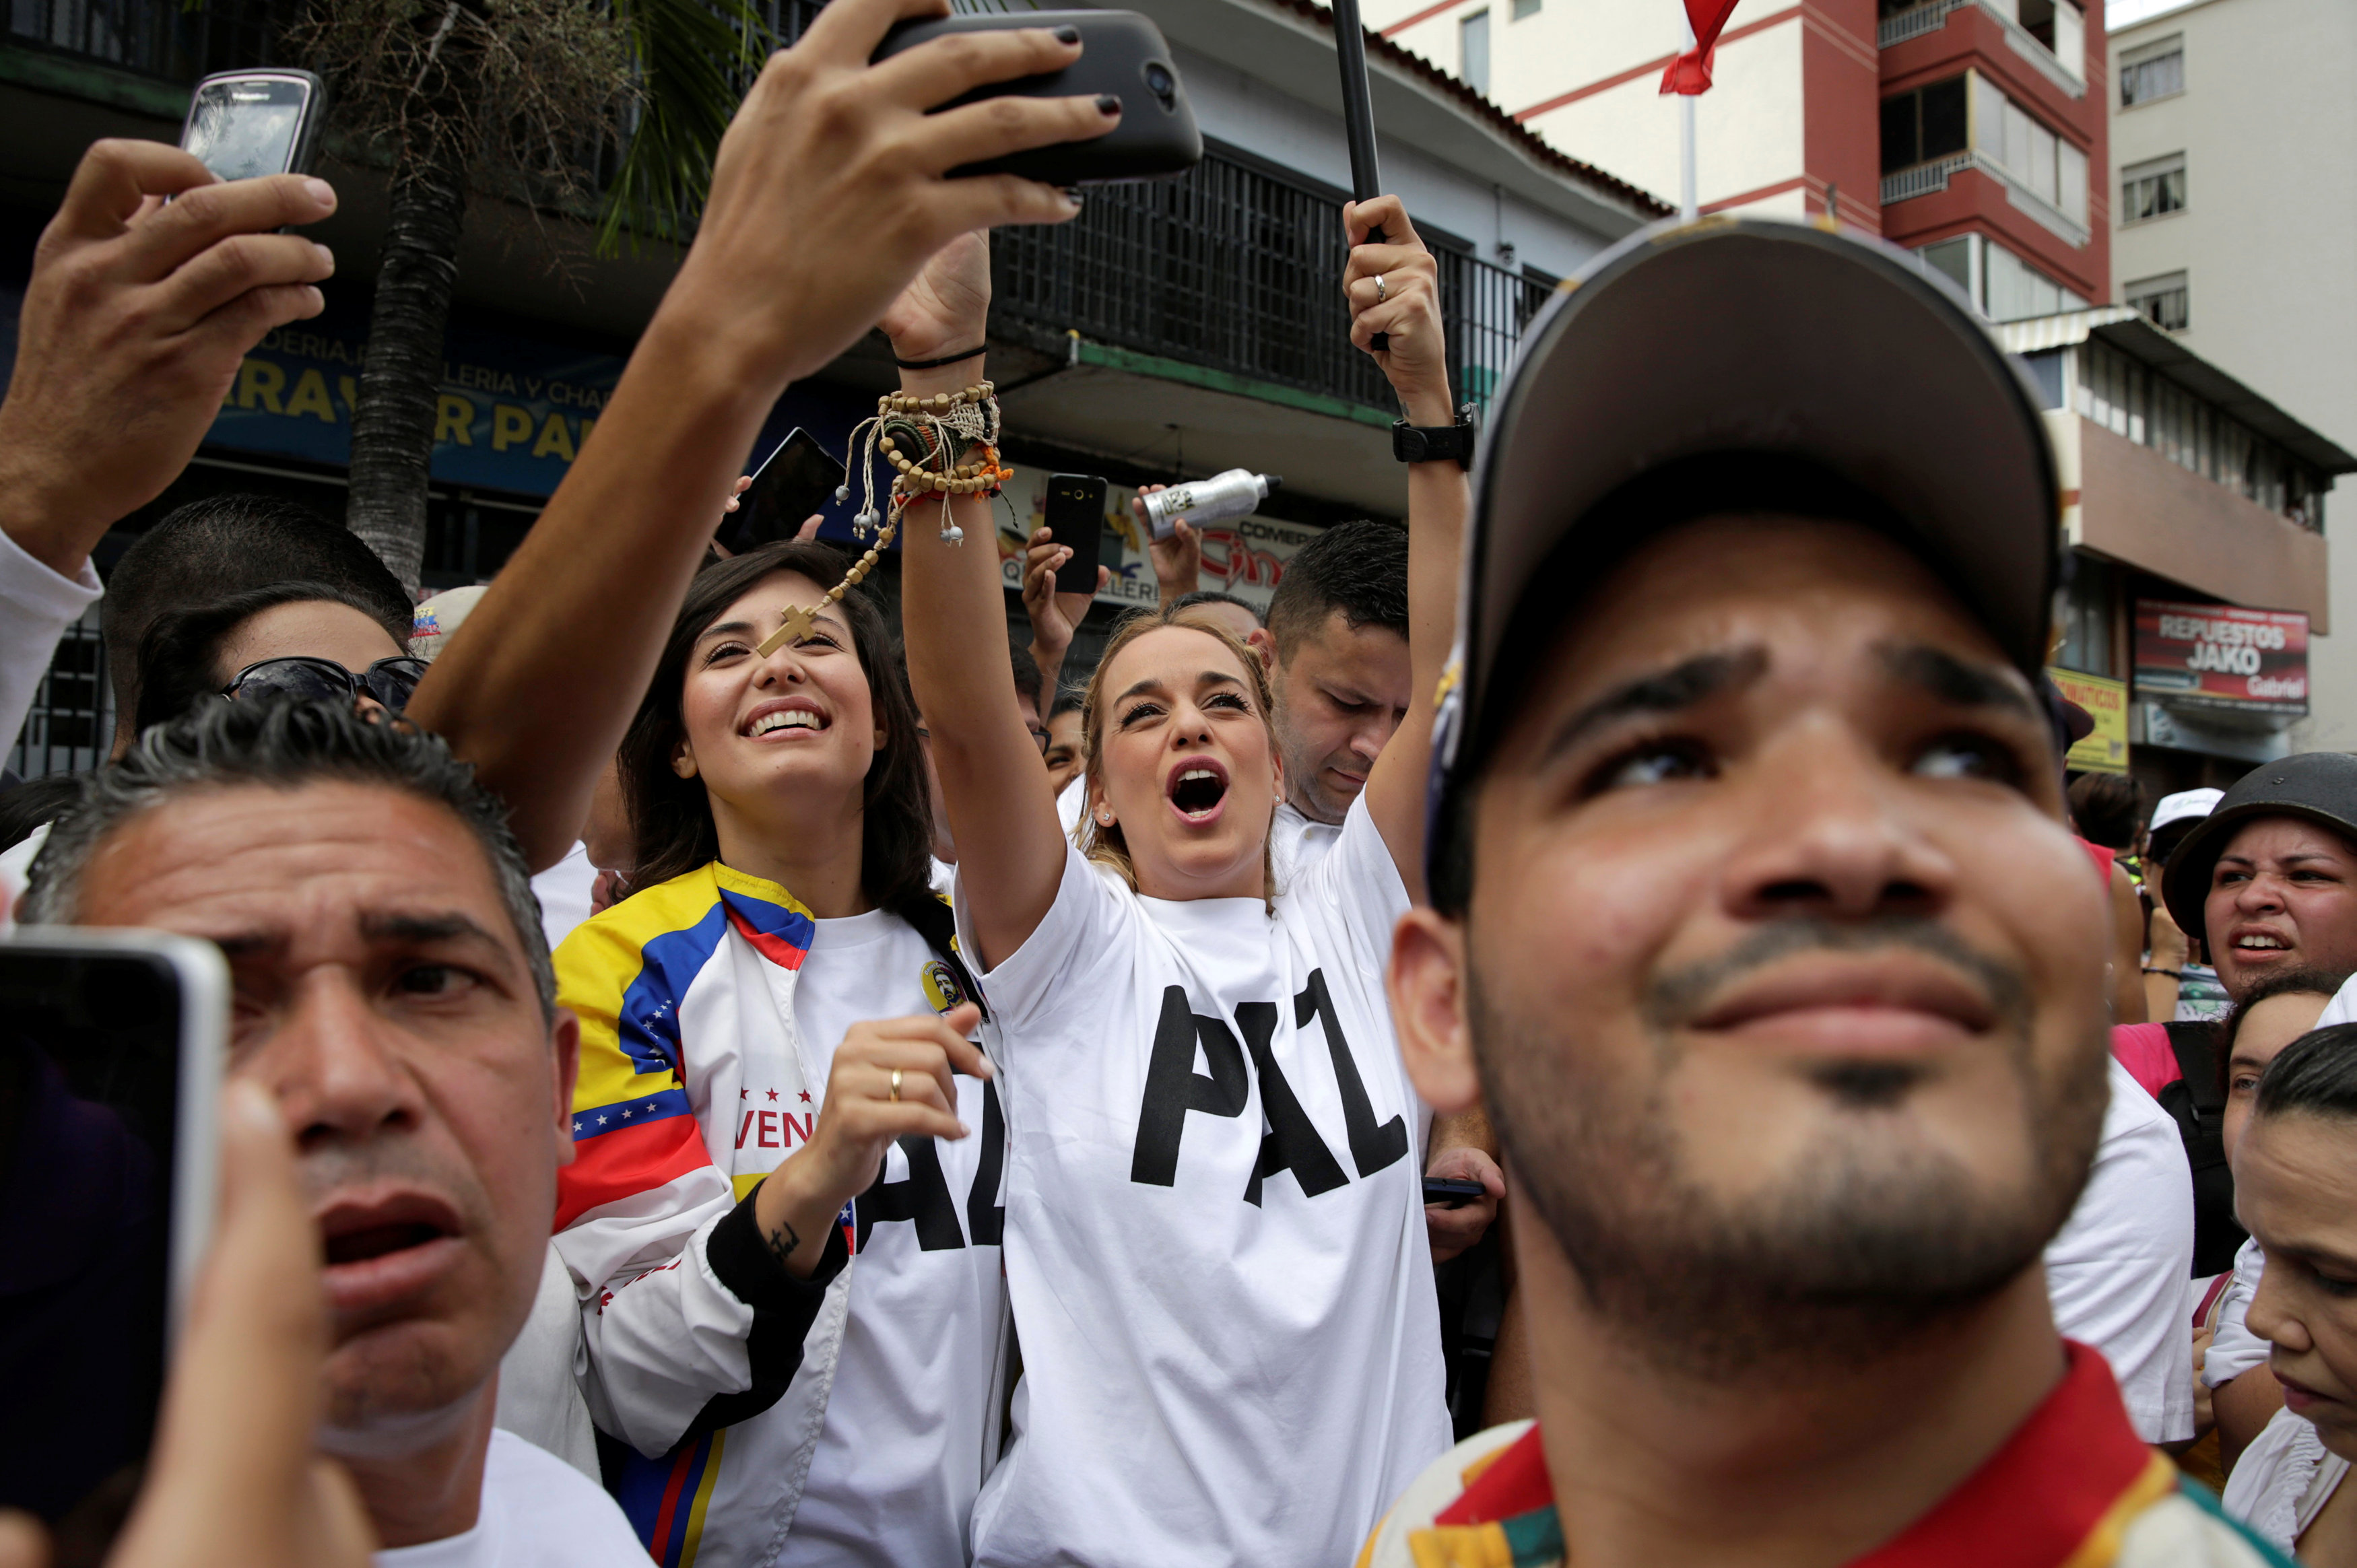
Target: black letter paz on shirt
[{"x": 1173, "y": 1087}]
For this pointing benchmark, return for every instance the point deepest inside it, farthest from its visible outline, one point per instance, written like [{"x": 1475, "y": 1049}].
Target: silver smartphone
[
  {"x": 113, "y": 1043},
  {"x": 243, "y": 124}
]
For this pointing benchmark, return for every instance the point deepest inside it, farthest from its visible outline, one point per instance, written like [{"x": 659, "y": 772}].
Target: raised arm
[
  {"x": 953, "y": 615},
  {"x": 826, "y": 198},
  {"x": 1438, "y": 498}
]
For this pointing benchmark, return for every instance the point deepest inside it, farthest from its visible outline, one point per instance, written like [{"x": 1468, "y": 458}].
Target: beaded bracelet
[{"x": 951, "y": 427}]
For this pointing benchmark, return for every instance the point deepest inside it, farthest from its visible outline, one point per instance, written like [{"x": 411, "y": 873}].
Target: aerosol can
[{"x": 1215, "y": 499}]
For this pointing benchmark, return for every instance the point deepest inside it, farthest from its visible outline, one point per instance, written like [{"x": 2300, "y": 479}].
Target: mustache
[
  {"x": 343, "y": 1165},
  {"x": 1675, "y": 998}
]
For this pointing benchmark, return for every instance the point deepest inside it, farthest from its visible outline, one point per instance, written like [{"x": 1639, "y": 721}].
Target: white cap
[
  {"x": 2183, "y": 804},
  {"x": 445, "y": 612}
]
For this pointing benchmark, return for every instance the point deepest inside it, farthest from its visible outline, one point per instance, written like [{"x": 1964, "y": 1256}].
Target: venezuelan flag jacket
[{"x": 703, "y": 1356}]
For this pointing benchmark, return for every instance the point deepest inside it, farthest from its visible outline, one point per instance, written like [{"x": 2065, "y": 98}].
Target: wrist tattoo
[{"x": 783, "y": 1241}]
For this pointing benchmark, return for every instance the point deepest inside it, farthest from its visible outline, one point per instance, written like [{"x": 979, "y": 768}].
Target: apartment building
[
  {"x": 2194, "y": 509},
  {"x": 2232, "y": 122},
  {"x": 1973, "y": 131}
]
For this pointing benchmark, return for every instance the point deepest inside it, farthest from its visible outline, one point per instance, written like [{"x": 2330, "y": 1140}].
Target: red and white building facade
[{"x": 1973, "y": 131}]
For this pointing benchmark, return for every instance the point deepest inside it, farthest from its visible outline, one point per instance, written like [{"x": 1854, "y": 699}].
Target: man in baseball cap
[
  {"x": 1756, "y": 926},
  {"x": 2269, "y": 879}
]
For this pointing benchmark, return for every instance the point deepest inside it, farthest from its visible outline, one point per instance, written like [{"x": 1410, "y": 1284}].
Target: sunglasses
[{"x": 389, "y": 680}]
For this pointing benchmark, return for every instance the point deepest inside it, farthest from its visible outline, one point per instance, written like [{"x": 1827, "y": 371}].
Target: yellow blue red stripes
[{"x": 626, "y": 974}]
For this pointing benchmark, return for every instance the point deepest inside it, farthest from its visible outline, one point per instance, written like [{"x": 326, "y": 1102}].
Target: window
[
  {"x": 2165, "y": 300},
  {"x": 2001, "y": 285},
  {"x": 1473, "y": 47},
  {"x": 1525, "y": 8},
  {"x": 1951, "y": 259},
  {"x": 2070, "y": 166},
  {"x": 2009, "y": 135},
  {"x": 2016, "y": 290},
  {"x": 2153, "y": 189},
  {"x": 2152, "y": 70},
  {"x": 1926, "y": 123}
]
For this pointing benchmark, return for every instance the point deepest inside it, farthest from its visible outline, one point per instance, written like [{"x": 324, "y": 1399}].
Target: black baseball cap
[
  {"x": 2320, "y": 786},
  {"x": 1744, "y": 345}
]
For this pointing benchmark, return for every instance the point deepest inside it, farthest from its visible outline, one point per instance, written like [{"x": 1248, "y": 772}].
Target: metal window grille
[
  {"x": 1234, "y": 268},
  {"x": 72, "y": 719},
  {"x": 173, "y": 42}
]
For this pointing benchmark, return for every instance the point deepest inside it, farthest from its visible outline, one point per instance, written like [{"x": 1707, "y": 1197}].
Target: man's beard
[
  {"x": 1864, "y": 1246},
  {"x": 1305, "y": 787}
]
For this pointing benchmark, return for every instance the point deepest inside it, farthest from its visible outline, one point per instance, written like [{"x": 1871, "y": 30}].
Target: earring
[{"x": 1104, "y": 818}]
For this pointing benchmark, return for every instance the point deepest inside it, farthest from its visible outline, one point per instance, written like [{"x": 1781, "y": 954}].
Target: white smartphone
[
  {"x": 247, "y": 123},
  {"x": 113, "y": 1044}
]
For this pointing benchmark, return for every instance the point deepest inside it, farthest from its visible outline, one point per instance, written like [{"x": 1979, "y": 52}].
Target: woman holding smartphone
[
  {"x": 784, "y": 1219},
  {"x": 1215, "y": 1228}
]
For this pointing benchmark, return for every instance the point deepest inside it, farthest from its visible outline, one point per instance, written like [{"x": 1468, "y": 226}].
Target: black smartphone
[
  {"x": 1450, "y": 1194},
  {"x": 794, "y": 481},
  {"x": 1076, "y": 517},
  {"x": 111, "y": 1060},
  {"x": 1122, "y": 53},
  {"x": 247, "y": 123}
]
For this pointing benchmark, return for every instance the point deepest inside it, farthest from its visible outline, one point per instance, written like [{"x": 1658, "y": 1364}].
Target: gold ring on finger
[{"x": 895, "y": 1086}]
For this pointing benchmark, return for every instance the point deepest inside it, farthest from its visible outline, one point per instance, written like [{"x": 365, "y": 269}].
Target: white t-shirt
[
  {"x": 2283, "y": 1480},
  {"x": 1296, "y": 844},
  {"x": 1215, "y": 1240},
  {"x": 2115, "y": 1272},
  {"x": 16, "y": 863},
  {"x": 2342, "y": 1008},
  {"x": 537, "y": 1513},
  {"x": 565, "y": 891},
  {"x": 37, "y": 604},
  {"x": 2233, "y": 1349},
  {"x": 901, "y": 1454}
]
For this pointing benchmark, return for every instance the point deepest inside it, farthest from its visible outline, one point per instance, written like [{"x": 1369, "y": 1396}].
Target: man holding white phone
[
  {"x": 135, "y": 320},
  {"x": 391, "y": 989}
]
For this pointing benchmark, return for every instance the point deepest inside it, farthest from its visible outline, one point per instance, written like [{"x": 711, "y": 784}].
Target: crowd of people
[{"x": 734, "y": 1067}]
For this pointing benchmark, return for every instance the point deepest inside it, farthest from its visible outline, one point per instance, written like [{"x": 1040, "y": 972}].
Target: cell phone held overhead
[
  {"x": 1075, "y": 513},
  {"x": 797, "y": 479},
  {"x": 244, "y": 124},
  {"x": 1122, "y": 55}
]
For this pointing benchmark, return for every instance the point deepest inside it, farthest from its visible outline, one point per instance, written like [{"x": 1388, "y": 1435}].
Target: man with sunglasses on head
[
  {"x": 291, "y": 639},
  {"x": 294, "y": 639}
]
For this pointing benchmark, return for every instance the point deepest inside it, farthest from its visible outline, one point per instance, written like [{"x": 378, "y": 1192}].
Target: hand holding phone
[
  {"x": 1123, "y": 56},
  {"x": 110, "y": 1060},
  {"x": 1075, "y": 514},
  {"x": 795, "y": 481},
  {"x": 1451, "y": 1194}
]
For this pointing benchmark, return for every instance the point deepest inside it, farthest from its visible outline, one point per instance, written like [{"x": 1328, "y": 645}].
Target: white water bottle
[{"x": 1215, "y": 499}]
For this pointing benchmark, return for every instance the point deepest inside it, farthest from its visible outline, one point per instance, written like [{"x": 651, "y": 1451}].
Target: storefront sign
[
  {"x": 2105, "y": 747},
  {"x": 1244, "y": 556},
  {"x": 511, "y": 414},
  {"x": 2218, "y": 656}
]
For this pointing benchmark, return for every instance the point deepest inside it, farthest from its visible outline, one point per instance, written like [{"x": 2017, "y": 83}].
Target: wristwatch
[{"x": 1436, "y": 443}]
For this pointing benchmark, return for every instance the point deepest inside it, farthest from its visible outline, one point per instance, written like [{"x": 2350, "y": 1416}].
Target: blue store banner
[{"x": 512, "y": 414}]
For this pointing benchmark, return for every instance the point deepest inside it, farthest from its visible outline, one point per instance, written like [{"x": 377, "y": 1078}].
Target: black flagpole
[{"x": 1358, "y": 119}]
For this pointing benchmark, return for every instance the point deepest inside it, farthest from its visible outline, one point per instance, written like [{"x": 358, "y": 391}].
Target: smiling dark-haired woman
[{"x": 784, "y": 1220}]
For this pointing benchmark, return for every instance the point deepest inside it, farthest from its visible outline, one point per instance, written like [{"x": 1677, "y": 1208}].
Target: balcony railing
[
  {"x": 1925, "y": 178},
  {"x": 1237, "y": 269},
  {"x": 167, "y": 41},
  {"x": 1933, "y": 16}
]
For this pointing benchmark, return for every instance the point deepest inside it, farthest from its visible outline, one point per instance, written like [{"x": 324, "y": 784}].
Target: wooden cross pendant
[{"x": 794, "y": 628}]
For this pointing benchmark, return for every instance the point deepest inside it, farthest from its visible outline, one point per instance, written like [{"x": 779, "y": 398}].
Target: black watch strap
[{"x": 1436, "y": 443}]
